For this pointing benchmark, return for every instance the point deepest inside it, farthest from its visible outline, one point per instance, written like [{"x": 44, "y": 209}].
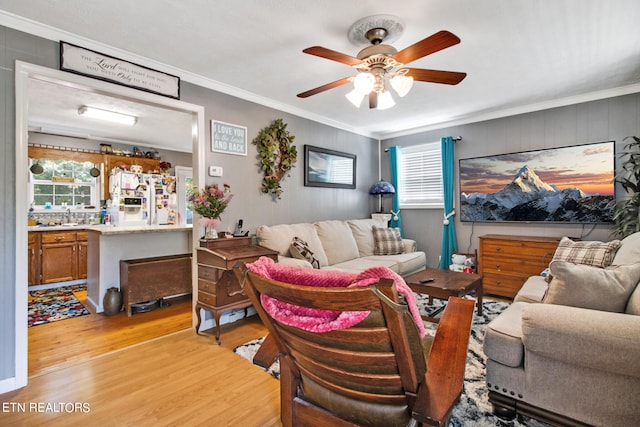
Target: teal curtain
[
  {"x": 449, "y": 240},
  {"x": 394, "y": 168}
]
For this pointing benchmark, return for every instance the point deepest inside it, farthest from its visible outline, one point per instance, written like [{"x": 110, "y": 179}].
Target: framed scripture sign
[
  {"x": 329, "y": 168},
  {"x": 229, "y": 139},
  {"x": 76, "y": 59}
]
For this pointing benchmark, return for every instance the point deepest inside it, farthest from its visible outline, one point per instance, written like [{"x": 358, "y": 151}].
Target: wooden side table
[{"x": 218, "y": 288}]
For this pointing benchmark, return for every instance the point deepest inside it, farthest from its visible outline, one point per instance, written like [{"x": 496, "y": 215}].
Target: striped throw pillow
[
  {"x": 387, "y": 241},
  {"x": 597, "y": 254}
]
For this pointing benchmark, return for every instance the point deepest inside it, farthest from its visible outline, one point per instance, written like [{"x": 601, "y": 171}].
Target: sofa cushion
[
  {"x": 633, "y": 304},
  {"x": 279, "y": 237},
  {"x": 387, "y": 241},
  {"x": 406, "y": 263},
  {"x": 360, "y": 264},
  {"x": 362, "y": 230},
  {"x": 300, "y": 249},
  {"x": 586, "y": 286},
  {"x": 533, "y": 290},
  {"x": 629, "y": 252},
  {"x": 599, "y": 254},
  {"x": 503, "y": 337},
  {"x": 337, "y": 241}
]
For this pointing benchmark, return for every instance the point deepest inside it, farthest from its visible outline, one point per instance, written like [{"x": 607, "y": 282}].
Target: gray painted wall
[
  {"x": 604, "y": 120},
  {"x": 298, "y": 204},
  {"x": 589, "y": 122}
]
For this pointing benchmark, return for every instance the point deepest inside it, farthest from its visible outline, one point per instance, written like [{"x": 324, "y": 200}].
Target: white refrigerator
[{"x": 142, "y": 199}]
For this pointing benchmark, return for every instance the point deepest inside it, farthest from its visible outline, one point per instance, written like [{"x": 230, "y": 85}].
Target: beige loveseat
[
  {"x": 575, "y": 362},
  {"x": 340, "y": 245}
]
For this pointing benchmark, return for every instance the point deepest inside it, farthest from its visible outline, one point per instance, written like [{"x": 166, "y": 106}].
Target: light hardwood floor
[{"x": 174, "y": 380}]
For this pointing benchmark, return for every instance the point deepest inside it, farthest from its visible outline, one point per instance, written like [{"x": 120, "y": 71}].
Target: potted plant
[
  {"x": 627, "y": 212},
  {"x": 209, "y": 203}
]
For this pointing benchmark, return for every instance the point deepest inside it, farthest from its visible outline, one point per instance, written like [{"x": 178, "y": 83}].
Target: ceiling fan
[{"x": 380, "y": 62}]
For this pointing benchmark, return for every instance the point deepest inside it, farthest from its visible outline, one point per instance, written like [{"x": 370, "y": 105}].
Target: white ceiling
[{"x": 519, "y": 55}]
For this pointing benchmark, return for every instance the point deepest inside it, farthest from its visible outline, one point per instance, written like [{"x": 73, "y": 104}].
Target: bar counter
[{"x": 109, "y": 245}]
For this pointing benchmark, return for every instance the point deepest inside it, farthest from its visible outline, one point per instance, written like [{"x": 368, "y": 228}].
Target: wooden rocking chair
[{"x": 376, "y": 373}]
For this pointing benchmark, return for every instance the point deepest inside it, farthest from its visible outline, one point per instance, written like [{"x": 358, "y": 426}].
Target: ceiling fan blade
[
  {"x": 436, "y": 76},
  {"x": 433, "y": 43},
  {"x": 373, "y": 99},
  {"x": 323, "y": 52},
  {"x": 324, "y": 87}
]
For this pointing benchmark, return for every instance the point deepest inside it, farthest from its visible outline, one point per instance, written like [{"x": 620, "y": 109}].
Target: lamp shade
[{"x": 382, "y": 187}]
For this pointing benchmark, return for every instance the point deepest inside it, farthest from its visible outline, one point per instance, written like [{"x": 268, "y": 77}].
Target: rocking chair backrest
[{"x": 367, "y": 374}]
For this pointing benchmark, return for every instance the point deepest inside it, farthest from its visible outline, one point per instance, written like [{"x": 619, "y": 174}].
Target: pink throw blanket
[{"x": 325, "y": 320}]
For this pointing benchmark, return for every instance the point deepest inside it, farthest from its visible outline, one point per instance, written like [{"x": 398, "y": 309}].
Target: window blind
[{"x": 420, "y": 180}]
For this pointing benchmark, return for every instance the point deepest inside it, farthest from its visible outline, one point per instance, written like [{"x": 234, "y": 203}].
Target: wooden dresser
[
  {"x": 506, "y": 262},
  {"x": 218, "y": 288}
]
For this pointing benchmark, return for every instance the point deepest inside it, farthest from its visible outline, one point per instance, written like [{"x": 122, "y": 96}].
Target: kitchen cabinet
[
  {"x": 506, "y": 261},
  {"x": 33, "y": 257},
  {"x": 81, "y": 239},
  {"x": 62, "y": 257},
  {"x": 110, "y": 161}
]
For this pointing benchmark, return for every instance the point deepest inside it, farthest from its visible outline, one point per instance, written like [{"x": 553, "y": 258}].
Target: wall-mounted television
[{"x": 566, "y": 185}]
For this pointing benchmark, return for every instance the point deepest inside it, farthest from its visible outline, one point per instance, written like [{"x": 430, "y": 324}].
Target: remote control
[{"x": 427, "y": 280}]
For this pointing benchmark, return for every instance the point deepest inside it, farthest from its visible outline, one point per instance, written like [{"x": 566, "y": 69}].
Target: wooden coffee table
[{"x": 445, "y": 284}]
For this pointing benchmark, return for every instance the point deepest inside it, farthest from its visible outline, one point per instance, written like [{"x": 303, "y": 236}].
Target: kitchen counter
[
  {"x": 110, "y": 229},
  {"x": 63, "y": 227},
  {"x": 108, "y": 245}
]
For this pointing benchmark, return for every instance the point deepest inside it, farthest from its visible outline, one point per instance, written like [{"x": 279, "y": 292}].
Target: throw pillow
[
  {"x": 387, "y": 241},
  {"x": 598, "y": 254},
  {"x": 586, "y": 286},
  {"x": 300, "y": 249}
]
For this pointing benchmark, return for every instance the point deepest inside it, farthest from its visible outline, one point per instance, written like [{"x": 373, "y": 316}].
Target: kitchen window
[
  {"x": 420, "y": 176},
  {"x": 64, "y": 183}
]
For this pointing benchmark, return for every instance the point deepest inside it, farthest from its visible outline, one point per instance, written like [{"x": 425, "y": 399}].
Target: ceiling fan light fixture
[
  {"x": 364, "y": 82},
  {"x": 385, "y": 100},
  {"x": 355, "y": 97},
  {"x": 111, "y": 116},
  {"x": 401, "y": 84}
]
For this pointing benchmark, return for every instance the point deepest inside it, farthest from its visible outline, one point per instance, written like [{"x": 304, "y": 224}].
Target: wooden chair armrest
[{"x": 444, "y": 379}]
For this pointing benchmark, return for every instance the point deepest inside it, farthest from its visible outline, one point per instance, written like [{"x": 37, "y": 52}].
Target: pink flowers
[{"x": 211, "y": 201}]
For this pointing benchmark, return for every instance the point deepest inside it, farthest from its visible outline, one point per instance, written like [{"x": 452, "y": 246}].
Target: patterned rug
[
  {"x": 51, "y": 305},
  {"x": 473, "y": 409}
]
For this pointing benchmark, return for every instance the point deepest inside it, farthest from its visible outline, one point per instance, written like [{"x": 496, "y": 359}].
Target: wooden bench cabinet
[
  {"x": 218, "y": 288},
  {"x": 147, "y": 279},
  {"x": 506, "y": 261}
]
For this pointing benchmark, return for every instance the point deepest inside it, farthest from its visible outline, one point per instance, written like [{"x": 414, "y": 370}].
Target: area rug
[
  {"x": 473, "y": 409},
  {"x": 52, "y": 305}
]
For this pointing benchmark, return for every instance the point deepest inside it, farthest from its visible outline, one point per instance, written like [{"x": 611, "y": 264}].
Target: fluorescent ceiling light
[{"x": 110, "y": 116}]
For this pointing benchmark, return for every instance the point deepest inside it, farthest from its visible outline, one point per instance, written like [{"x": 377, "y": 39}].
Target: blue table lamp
[{"x": 380, "y": 188}]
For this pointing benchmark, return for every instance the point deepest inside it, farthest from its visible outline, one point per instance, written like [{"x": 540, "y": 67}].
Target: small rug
[
  {"x": 51, "y": 305},
  {"x": 473, "y": 409}
]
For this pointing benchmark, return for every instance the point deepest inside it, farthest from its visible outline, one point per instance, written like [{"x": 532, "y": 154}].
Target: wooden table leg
[{"x": 199, "y": 317}]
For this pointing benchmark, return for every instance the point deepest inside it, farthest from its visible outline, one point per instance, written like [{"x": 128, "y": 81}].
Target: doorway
[{"x": 27, "y": 74}]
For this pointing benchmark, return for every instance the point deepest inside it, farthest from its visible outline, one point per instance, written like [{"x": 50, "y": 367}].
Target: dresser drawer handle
[
  {"x": 498, "y": 266},
  {"x": 498, "y": 249}
]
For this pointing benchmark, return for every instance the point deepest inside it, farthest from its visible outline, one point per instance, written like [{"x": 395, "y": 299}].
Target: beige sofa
[
  {"x": 574, "y": 363},
  {"x": 340, "y": 245}
]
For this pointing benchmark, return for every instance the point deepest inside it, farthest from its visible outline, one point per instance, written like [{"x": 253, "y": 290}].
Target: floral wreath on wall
[{"x": 277, "y": 156}]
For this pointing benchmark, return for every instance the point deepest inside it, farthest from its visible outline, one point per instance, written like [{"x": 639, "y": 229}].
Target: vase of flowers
[{"x": 209, "y": 203}]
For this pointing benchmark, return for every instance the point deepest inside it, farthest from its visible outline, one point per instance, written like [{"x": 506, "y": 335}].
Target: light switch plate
[{"x": 215, "y": 170}]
